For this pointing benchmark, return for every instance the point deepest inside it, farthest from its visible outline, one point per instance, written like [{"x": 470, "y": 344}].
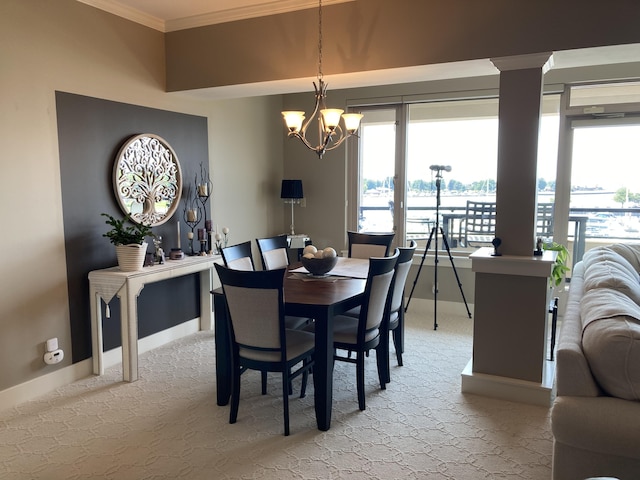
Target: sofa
[{"x": 595, "y": 417}]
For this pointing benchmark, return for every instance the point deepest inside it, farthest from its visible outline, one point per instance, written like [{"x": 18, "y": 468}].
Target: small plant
[
  {"x": 121, "y": 235},
  {"x": 560, "y": 267}
]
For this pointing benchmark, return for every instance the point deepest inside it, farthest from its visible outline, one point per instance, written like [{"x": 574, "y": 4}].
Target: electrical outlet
[{"x": 303, "y": 202}]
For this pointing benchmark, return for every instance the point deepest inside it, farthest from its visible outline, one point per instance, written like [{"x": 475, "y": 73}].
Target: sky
[{"x": 606, "y": 157}]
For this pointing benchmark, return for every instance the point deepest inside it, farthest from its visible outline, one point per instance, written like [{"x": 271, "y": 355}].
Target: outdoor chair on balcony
[{"x": 480, "y": 224}]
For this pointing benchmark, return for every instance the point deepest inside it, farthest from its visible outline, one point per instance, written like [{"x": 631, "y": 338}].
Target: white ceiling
[{"x": 171, "y": 15}]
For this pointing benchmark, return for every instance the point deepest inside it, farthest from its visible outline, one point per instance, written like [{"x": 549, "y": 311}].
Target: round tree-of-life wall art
[{"x": 147, "y": 179}]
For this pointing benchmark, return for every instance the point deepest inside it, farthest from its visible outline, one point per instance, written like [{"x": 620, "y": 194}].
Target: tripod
[{"x": 434, "y": 235}]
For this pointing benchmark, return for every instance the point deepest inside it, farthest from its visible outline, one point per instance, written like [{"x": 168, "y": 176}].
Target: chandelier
[{"x": 330, "y": 133}]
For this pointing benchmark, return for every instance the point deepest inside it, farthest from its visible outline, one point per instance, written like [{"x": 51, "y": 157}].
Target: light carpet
[{"x": 167, "y": 425}]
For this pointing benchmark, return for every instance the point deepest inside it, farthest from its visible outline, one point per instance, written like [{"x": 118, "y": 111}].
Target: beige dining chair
[
  {"x": 366, "y": 245},
  {"x": 274, "y": 254},
  {"x": 260, "y": 340},
  {"x": 273, "y": 251},
  {"x": 396, "y": 309},
  {"x": 362, "y": 334},
  {"x": 238, "y": 257}
]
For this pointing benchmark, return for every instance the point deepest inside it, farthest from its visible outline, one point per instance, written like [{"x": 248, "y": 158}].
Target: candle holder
[
  {"x": 204, "y": 188},
  {"x": 192, "y": 215}
]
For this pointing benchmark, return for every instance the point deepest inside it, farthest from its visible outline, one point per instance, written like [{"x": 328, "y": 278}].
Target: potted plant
[
  {"x": 129, "y": 241},
  {"x": 560, "y": 267}
]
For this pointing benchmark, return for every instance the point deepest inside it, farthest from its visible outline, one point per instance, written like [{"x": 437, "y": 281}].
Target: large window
[{"x": 401, "y": 147}]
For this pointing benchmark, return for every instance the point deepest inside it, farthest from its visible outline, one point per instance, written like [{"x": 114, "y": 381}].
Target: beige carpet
[{"x": 168, "y": 426}]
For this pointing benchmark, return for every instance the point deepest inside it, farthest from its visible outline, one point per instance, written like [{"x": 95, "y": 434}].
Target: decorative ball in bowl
[{"x": 319, "y": 262}]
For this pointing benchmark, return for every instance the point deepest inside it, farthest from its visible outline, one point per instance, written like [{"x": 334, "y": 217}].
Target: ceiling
[{"x": 172, "y": 15}]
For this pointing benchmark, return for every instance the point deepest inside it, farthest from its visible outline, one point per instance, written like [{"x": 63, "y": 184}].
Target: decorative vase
[{"x": 131, "y": 257}]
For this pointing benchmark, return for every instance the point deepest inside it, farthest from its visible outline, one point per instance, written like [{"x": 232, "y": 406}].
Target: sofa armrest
[{"x": 600, "y": 424}]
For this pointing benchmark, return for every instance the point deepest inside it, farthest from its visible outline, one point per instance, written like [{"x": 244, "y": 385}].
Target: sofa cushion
[
  {"x": 612, "y": 348},
  {"x": 605, "y": 268},
  {"x": 630, "y": 252}
]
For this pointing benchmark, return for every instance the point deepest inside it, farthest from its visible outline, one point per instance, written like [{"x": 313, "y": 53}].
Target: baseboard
[
  {"x": 47, "y": 383},
  {"x": 114, "y": 356},
  {"x": 425, "y": 306},
  {"x": 512, "y": 389}
]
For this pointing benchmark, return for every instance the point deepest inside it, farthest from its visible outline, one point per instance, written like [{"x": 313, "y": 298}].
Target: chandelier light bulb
[
  {"x": 331, "y": 117},
  {"x": 293, "y": 120},
  {"x": 352, "y": 122}
]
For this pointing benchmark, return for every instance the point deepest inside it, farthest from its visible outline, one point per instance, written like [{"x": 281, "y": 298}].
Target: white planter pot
[{"x": 131, "y": 257}]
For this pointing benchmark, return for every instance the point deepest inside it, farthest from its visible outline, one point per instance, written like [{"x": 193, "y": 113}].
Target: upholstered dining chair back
[
  {"x": 238, "y": 257},
  {"x": 273, "y": 251},
  {"x": 402, "y": 272},
  {"x": 396, "y": 309},
  {"x": 367, "y": 245},
  {"x": 377, "y": 295}
]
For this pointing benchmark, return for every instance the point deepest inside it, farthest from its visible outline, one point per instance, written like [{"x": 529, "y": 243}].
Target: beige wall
[
  {"x": 68, "y": 46},
  {"x": 370, "y": 35}
]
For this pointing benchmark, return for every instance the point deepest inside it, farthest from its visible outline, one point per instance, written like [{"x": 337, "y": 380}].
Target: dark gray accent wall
[{"x": 90, "y": 134}]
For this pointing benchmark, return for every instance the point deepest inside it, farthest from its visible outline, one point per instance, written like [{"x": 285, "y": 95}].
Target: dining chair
[
  {"x": 365, "y": 245},
  {"x": 259, "y": 339},
  {"x": 238, "y": 257},
  {"x": 396, "y": 309},
  {"x": 362, "y": 334},
  {"x": 273, "y": 252}
]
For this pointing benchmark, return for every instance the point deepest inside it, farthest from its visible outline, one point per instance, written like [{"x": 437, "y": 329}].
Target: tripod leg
[
  {"x": 426, "y": 249},
  {"x": 446, "y": 246}
]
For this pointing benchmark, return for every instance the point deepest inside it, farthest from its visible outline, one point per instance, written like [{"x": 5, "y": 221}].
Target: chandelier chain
[{"x": 320, "y": 39}]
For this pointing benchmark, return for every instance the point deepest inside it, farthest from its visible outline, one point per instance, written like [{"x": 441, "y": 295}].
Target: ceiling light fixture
[{"x": 330, "y": 133}]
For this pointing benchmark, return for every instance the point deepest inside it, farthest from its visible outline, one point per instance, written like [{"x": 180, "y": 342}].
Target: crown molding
[{"x": 121, "y": 9}]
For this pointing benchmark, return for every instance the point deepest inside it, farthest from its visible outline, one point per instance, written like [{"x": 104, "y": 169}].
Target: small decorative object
[
  {"x": 319, "y": 262},
  {"x": 225, "y": 232},
  {"x": 129, "y": 242},
  {"x": 192, "y": 214},
  {"x": 157, "y": 243},
  {"x": 218, "y": 239},
  {"x": 176, "y": 254},
  {"x": 538, "y": 251},
  {"x": 496, "y": 242}
]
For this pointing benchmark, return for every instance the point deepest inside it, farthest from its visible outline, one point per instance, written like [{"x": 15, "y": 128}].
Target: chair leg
[
  {"x": 382, "y": 358},
  {"x": 235, "y": 395},
  {"x": 360, "y": 379},
  {"x": 286, "y": 382},
  {"x": 305, "y": 378},
  {"x": 398, "y": 337},
  {"x": 263, "y": 374}
]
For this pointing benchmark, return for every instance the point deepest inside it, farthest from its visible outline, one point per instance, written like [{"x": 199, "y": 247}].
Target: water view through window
[{"x": 605, "y": 171}]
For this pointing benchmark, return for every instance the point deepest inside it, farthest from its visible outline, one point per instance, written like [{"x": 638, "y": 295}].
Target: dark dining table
[{"x": 320, "y": 299}]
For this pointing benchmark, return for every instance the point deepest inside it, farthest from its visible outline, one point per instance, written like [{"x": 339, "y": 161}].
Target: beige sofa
[{"x": 595, "y": 417}]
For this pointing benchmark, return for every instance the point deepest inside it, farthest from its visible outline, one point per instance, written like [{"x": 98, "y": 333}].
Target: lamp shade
[{"x": 291, "y": 189}]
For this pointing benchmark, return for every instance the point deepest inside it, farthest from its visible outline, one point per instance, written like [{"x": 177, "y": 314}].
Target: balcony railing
[{"x": 591, "y": 226}]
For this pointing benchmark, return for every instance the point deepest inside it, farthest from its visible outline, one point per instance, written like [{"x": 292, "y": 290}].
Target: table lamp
[{"x": 291, "y": 191}]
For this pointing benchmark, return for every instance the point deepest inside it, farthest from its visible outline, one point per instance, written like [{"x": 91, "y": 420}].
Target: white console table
[{"x": 109, "y": 282}]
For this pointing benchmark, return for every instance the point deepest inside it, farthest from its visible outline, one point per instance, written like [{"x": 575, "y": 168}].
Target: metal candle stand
[
  {"x": 203, "y": 192},
  {"x": 192, "y": 214}
]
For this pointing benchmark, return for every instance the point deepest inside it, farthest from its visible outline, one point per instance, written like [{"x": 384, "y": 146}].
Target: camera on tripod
[{"x": 439, "y": 168}]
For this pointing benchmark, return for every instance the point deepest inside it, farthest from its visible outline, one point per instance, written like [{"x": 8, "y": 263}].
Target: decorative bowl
[{"x": 319, "y": 266}]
